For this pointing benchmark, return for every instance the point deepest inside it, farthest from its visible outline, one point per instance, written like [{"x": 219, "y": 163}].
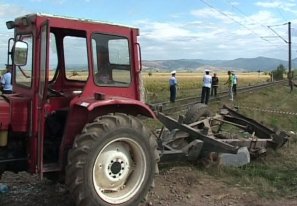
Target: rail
[{"x": 184, "y": 103}]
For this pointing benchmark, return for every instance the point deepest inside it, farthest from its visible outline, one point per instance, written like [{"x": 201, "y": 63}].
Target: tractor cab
[{"x": 66, "y": 72}]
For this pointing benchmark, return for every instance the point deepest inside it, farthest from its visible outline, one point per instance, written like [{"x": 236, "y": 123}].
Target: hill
[{"x": 244, "y": 64}]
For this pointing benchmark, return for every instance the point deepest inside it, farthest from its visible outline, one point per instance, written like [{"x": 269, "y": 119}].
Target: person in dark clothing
[
  {"x": 214, "y": 85},
  {"x": 172, "y": 86}
]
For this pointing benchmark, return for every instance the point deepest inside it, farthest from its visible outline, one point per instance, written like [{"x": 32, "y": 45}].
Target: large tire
[
  {"x": 196, "y": 112},
  {"x": 113, "y": 162}
]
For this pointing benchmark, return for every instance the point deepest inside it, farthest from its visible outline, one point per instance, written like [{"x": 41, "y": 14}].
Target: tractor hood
[{"x": 4, "y": 114}]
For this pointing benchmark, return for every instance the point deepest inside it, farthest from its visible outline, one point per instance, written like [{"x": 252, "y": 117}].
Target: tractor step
[{"x": 51, "y": 167}]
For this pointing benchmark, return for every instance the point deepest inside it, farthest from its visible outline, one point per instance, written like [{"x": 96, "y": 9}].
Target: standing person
[
  {"x": 234, "y": 87},
  {"x": 6, "y": 83},
  {"x": 214, "y": 85},
  {"x": 172, "y": 86},
  {"x": 206, "y": 87},
  {"x": 229, "y": 83}
]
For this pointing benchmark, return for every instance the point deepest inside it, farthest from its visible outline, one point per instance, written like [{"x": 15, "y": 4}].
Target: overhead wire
[
  {"x": 279, "y": 11},
  {"x": 228, "y": 16},
  {"x": 241, "y": 24},
  {"x": 264, "y": 26}
]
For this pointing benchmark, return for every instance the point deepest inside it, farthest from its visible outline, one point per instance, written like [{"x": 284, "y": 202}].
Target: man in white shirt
[
  {"x": 6, "y": 83},
  {"x": 234, "y": 87},
  {"x": 207, "y": 79}
]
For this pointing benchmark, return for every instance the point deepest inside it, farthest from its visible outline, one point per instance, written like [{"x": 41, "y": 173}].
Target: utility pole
[
  {"x": 289, "y": 44},
  {"x": 290, "y": 75}
]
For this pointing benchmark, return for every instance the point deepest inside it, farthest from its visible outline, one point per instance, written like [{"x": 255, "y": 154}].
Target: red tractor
[{"x": 75, "y": 107}]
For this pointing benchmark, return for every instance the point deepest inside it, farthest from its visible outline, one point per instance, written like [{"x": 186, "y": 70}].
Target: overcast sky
[{"x": 181, "y": 29}]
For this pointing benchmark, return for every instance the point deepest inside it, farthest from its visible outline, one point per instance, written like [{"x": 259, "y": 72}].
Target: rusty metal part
[{"x": 181, "y": 139}]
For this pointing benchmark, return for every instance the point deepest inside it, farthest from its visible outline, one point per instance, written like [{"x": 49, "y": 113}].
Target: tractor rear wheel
[
  {"x": 196, "y": 112},
  {"x": 112, "y": 162}
]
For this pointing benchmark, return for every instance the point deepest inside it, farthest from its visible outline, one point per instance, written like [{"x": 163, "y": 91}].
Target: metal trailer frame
[{"x": 202, "y": 138}]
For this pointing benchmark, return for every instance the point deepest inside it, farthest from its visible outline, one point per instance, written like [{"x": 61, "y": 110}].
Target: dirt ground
[{"x": 175, "y": 186}]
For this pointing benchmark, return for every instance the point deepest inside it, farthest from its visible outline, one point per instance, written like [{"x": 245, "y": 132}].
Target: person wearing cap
[
  {"x": 172, "y": 86},
  {"x": 214, "y": 85},
  {"x": 6, "y": 84},
  {"x": 207, "y": 79}
]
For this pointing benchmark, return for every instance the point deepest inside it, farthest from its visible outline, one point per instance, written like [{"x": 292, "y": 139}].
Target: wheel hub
[
  {"x": 113, "y": 166},
  {"x": 116, "y": 168}
]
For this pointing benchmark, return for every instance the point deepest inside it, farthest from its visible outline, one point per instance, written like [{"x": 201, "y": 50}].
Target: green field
[{"x": 273, "y": 175}]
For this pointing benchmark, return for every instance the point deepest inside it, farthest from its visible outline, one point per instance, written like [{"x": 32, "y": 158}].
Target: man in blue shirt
[
  {"x": 6, "y": 81},
  {"x": 172, "y": 85}
]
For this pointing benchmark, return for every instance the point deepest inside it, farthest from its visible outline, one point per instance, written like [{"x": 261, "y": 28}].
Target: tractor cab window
[
  {"x": 111, "y": 60},
  {"x": 53, "y": 57},
  {"x": 23, "y": 73},
  {"x": 76, "y": 58}
]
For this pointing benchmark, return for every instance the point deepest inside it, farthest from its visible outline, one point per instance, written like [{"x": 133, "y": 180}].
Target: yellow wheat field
[{"x": 189, "y": 84}]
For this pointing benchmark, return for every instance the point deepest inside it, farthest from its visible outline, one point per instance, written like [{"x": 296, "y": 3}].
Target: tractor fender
[{"x": 124, "y": 105}]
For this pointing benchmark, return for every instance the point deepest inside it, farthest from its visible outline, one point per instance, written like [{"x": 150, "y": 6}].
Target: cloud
[
  {"x": 53, "y": 1},
  {"x": 266, "y": 17},
  {"x": 10, "y": 10},
  {"x": 7, "y": 12},
  {"x": 213, "y": 34},
  {"x": 215, "y": 14},
  {"x": 234, "y": 3},
  {"x": 276, "y": 4},
  {"x": 288, "y": 6},
  {"x": 165, "y": 31}
]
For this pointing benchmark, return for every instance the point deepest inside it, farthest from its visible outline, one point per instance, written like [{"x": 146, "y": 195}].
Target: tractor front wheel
[{"x": 112, "y": 162}]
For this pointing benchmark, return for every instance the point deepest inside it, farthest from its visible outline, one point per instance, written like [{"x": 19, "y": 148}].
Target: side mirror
[{"x": 20, "y": 53}]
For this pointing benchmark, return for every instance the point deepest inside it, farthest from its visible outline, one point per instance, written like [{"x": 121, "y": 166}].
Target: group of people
[
  {"x": 6, "y": 81},
  {"x": 210, "y": 86}
]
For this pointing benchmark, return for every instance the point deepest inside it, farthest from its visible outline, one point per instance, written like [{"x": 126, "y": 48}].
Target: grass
[
  {"x": 275, "y": 98},
  {"x": 273, "y": 175}
]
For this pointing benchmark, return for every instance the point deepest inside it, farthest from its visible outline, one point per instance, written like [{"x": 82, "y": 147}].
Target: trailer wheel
[
  {"x": 196, "y": 112},
  {"x": 112, "y": 162}
]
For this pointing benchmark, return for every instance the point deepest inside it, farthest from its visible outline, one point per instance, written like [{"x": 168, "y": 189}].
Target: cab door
[{"x": 42, "y": 90}]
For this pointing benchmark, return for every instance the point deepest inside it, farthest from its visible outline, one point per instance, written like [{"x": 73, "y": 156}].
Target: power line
[
  {"x": 280, "y": 13},
  {"x": 242, "y": 13},
  {"x": 228, "y": 16}
]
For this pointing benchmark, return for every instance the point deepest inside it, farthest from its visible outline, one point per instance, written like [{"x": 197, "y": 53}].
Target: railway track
[{"x": 184, "y": 103}]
